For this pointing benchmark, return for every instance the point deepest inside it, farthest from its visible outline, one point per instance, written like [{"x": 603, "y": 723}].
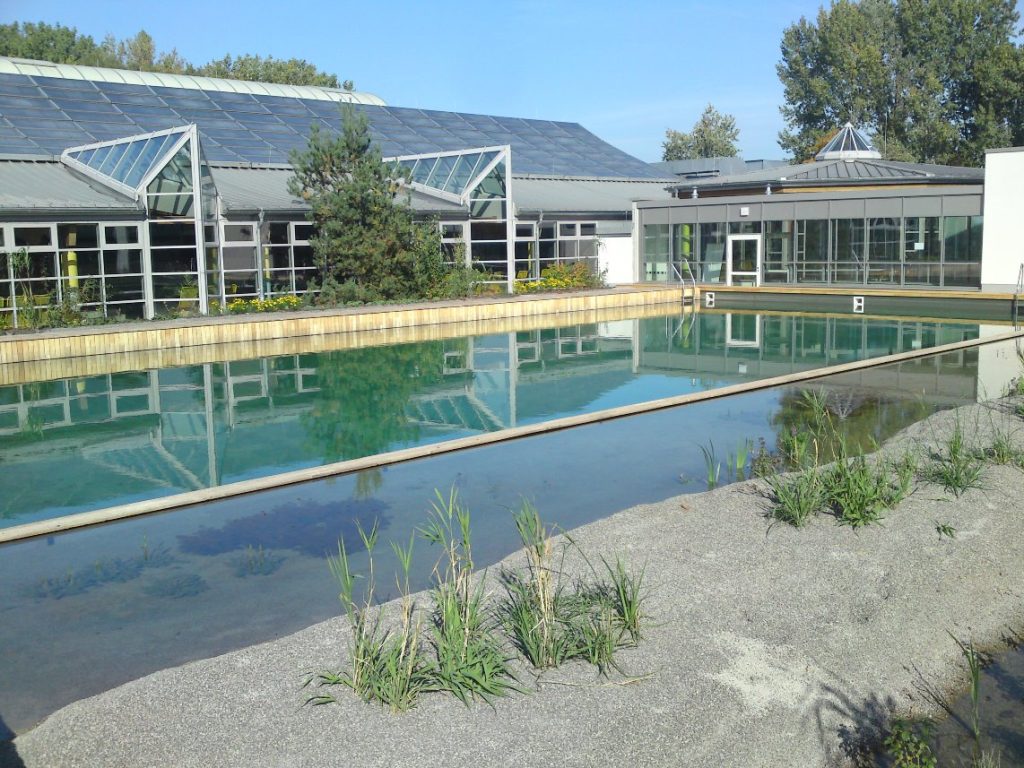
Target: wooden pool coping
[{"x": 150, "y": 506}]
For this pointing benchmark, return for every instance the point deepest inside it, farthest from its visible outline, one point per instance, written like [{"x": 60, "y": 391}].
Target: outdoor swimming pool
[
  {"x": 144, "y": 594},
  {"x": 88, "y": 443}
]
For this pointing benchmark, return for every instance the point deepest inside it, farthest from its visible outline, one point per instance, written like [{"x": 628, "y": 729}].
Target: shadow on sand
[{"x": 8, "y": 752}]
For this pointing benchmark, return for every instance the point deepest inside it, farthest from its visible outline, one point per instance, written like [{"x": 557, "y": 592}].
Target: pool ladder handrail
[
  {"x": 692, "y": 299},
  {"x": 1017, "y": 295}
]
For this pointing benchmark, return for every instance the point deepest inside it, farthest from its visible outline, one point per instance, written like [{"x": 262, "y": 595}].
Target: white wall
[
  {"x": 1002, "y": 249},
  {"x": 616, "y": 256},
  {"x": 998, "y": 365}
]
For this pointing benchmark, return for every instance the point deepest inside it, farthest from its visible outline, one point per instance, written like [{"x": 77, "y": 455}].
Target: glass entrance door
[{"x": 743, "y": 260}]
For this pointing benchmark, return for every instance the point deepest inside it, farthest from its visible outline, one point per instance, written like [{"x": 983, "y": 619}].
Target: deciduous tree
[
  {"x": 64, "y": 45},
  {"x": 713, "y": 135},
  {"x": 934, "y": 80},
  {"x": 268, "y": 70}
]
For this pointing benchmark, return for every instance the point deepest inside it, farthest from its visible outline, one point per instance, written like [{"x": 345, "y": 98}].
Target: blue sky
[{"x": 626, "y": 71}]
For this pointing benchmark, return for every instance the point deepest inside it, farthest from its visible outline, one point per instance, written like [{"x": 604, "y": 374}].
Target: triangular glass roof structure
[
  {"x": 451, "y": 175},
  {"x": 849, "y": 144},
  {"x": 126, "y": 164}
]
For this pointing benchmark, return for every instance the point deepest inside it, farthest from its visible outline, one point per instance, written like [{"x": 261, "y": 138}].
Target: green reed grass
[
  {"x": 797, "y": 497},
  {"x": 860, "y": 492},
  {"x": 957, "y": 468},
  {"x": 386, "y": 665},
  {"x": 470, "y": 661}
]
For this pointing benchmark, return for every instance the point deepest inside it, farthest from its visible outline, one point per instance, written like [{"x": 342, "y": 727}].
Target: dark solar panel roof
[{"x": 47, "y": 115}]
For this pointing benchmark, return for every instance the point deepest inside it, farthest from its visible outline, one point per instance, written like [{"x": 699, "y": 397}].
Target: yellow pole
[{"x": 72, "y": 260}]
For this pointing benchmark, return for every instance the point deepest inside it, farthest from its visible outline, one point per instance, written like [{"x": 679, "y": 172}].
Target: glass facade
[{"x": 882, "y": 250}]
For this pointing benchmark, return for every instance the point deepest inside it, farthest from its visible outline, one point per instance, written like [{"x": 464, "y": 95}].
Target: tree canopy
[
  {"x": 713, "y": 135},
  {"x": 366, "y": 235},
  {"x": 65, "y": 45},
  {"x": 934, "y": 80}
]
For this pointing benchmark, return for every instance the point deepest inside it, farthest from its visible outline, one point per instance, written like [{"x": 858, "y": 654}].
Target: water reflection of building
[
  {"x": 81, "y": 443},
  {"x": 725, "y": 348}
]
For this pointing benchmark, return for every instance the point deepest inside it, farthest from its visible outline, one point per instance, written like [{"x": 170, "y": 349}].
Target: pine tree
[{"x": 366, "y": 233}]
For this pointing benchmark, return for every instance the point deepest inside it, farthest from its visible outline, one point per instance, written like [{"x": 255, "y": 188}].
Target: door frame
[{"x": 756, "y": 274}]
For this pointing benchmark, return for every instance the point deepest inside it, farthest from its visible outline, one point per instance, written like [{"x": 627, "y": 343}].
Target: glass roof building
[{"x": 145, "y": 194}]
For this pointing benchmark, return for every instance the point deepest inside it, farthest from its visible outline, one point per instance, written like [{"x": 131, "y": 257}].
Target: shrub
[
  {"x": 275, "y": 304},
  {"x": 565, "y": 276}
]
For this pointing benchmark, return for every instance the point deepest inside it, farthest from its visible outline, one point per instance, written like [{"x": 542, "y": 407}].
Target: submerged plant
[
  {"x": 113, "y": 570},
  {"x": 256, "y": 561},
  {"x": 177, "y": 586}
]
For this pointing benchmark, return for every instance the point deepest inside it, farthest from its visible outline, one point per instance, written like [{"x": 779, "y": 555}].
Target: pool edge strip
[{"x": 335, "y": 469}]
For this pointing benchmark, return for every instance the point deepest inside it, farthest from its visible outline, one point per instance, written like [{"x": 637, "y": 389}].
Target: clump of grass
[
  {"x": 470, "y": 662},
  {"x": 626, "y": 594},
  {"x": 535, "y": 609},
  {"x": 1002, "y": 450},
  {"x": 797, "y": 497},
  {"x": 764, "y": 464},
  {"x": 551, "y": 622},
  {"x": 988, "y": 759},
  {"x": 957, "y": 468},
  {"x": 860, "y": 492},
  {"x": 945, "y": 529},
  {"x": 386, "y": 665}
]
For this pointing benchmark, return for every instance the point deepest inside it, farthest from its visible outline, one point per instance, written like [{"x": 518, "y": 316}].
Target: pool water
[
  {"x": 82, "y": 444},
  {"x": 86, "y": 610},
  {"x": 1000, "y": 716}
]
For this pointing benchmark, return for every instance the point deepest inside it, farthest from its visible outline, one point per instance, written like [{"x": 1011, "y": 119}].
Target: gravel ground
[{"x": 768, "y": 646}]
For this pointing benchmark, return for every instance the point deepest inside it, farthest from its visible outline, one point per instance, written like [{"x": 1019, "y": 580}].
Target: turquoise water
[{"x": 80, "y": 444}]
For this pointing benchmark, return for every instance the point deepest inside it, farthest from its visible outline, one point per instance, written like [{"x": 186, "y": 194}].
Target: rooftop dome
[{"x": 849, "y": 144}]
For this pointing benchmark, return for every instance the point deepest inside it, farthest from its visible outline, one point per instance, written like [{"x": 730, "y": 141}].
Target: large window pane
[
  {"x": 682, "y": 249},
  {"x": 962, "y": 237},
  {"x": 811, "y": 251},
  {"x": 884, "y": 251},
  {"x": 922, "y": 250},
  {"x": 712, "y": 252},
  {"x": 778, "y": 252},
  {"x": 848, "y": 251},
  {"x": 656, "y": 252}
]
